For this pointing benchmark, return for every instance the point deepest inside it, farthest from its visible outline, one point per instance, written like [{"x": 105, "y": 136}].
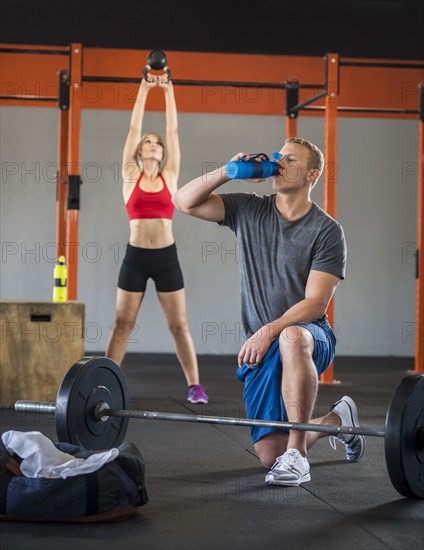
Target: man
[{"x": 292, "y": 257}]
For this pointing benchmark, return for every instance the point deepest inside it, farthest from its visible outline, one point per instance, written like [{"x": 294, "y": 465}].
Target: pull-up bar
[
  {"x": 28, "y": 97},
  {"x": 39, "y": 51},
  {"x": 177, "y": 82},
  {"x": 363, "y": 110},
  {"x": 381, "y": 65}
]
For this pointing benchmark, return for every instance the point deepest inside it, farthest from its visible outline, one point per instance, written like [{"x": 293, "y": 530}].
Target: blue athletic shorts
[{"x": 262, "y": 385}]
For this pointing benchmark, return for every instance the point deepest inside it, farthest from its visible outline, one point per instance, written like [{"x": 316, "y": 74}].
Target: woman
[{"x": 151, "y": 252}]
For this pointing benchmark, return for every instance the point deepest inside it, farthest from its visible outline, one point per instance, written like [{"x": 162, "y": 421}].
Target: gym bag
[{"x": 112, "y": 493}]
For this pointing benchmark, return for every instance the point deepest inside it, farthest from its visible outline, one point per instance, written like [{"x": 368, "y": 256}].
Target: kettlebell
[{"x": 156, "y": 60}]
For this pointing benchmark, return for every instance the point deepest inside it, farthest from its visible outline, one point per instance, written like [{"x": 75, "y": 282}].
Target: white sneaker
[
  {"x": 348, "y": 413},
  {"x": 291, "y": 469}
]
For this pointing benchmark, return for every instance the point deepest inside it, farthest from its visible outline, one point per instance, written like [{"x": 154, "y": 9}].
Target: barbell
[{"x": 92, "y": 411}]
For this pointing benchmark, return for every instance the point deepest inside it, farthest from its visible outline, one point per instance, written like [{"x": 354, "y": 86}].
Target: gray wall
[{"x": 375, "y": 305}]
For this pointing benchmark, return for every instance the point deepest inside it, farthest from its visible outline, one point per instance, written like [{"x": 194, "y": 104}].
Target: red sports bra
[{"x": 150, "y": 204}]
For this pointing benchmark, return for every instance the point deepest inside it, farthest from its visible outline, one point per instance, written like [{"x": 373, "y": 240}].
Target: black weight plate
[
  {"x": 404, "y": 437},
  {"x": 88, "y": 381}
]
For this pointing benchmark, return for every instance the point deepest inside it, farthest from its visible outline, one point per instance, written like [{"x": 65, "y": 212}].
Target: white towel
[{"x": 42, "y": 459}]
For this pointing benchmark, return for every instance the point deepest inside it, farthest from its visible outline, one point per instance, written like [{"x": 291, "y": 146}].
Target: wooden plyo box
[{"x": 39, "y": 343}]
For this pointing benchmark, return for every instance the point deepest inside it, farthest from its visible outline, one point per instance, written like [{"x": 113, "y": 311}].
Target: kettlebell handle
[{"x": 148, "y": 67}]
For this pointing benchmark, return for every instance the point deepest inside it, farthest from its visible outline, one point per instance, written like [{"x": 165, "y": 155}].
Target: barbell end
[
  {"x": 99, "y": 411},
  {"x": 42, "y": 407}
]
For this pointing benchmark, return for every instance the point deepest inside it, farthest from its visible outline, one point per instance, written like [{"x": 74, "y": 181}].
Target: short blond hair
[{"x": 316, "y": 158}]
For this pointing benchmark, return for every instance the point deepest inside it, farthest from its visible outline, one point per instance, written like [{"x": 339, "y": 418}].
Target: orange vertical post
[
  {"x": 330, "y": 170},
  {"x": 419, "y": 308},
  {"x": 74, "y": 181},
  {"x": 62, "y": 161},
  {"x": 291, "y": 127}
]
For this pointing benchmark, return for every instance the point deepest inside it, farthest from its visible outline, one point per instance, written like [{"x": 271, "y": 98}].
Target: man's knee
[
  {"x": 266, "y": 456},
  {"x": 296, "y": 340},
  {"x": 268, "y": 462},
  {"x": 270, "y": 447}
]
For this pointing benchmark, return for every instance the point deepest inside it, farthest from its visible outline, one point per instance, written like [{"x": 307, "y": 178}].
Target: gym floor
[{"x": 206, "y": 485}]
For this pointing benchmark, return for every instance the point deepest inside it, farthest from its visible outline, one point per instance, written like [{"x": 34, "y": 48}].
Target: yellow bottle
[{"x": 60, "y": 275}]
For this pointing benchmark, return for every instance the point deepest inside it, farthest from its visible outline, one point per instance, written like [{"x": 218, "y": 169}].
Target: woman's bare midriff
[{"x": 151, "y": 233}]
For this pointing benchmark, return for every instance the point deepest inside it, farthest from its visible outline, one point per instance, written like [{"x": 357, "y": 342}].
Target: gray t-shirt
[{"x": 277, "y": 255}]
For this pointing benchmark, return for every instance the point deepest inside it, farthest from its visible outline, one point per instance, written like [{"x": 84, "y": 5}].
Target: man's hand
[
  {"x": 238, "y": 156},
  {"x": 254, "y": 349},
  {"x": 248, "y": 157}
]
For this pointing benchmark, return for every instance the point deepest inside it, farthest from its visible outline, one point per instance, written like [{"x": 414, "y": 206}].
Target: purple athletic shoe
[{"x": 196, "y": 394}]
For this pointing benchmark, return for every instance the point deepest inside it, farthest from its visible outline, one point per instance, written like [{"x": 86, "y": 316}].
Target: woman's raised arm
[
  {"x": 171, "y": 169},
  {"x": 129, "y": 157}
]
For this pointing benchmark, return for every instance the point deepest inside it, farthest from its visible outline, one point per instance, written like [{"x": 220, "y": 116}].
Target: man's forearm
[
  {"x": 305, "y": 311},
  {"x": 197, "y": 191}
]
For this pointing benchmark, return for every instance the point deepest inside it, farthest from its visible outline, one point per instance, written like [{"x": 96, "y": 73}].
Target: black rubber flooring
[{"x": 206, "y": 485}]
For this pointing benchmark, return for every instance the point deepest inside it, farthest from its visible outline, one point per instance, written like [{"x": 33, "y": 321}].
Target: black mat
[{"x": 206, "y": 484}]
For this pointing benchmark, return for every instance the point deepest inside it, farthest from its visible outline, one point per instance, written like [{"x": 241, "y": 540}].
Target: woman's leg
[
  {"x": 127, "y": 307},
  {"x": 174, "y": 307}
]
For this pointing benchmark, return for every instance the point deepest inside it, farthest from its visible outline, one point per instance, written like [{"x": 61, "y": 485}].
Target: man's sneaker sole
[
  {"x": 363, "y": 445},
  {"x": 355, "y": 423},
  {"x": 289, "y": 483},
  {"x": 194, "y": 401}
]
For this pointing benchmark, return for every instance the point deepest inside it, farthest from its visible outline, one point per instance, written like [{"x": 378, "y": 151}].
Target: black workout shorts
[{"x": 160, "y": 264}]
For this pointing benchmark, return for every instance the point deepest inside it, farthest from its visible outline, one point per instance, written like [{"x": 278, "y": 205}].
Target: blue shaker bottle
[{"x": 247, "y": 169}]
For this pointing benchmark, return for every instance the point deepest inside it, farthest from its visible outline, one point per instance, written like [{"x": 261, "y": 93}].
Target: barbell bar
[
  {"x": 102, "y": 411},
  {"x": 92, "y": 411}
]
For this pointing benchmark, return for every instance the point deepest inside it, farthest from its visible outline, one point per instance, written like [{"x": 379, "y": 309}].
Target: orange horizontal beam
[
  {"x": 33, "y": 75},
  {"x": 359, "y": 86},
  {"x": 33, "y": 47}
]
